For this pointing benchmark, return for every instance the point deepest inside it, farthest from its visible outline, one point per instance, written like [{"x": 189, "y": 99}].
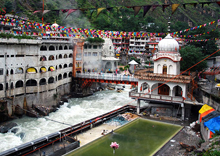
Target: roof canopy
[{"x": 133, "y": 62}]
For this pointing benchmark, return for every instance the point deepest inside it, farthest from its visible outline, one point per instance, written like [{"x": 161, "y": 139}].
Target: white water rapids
[{"x": 74, "y": 112}]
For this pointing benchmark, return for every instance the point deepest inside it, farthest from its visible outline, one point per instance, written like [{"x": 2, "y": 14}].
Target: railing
[
  {"x": 106, "y": 76},
  {"x": 136, "y": 94}
]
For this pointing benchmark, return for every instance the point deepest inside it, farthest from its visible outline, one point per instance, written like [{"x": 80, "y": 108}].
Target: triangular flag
[
  {"x": 99, "y": 10},
  {"x": 164, "y": 7},
  {"x": 46, "y": 11},
  {"x": 174, "y": 7},
  {"x": 146, "y": 9},
  {"x": 37, "y": 11},
  {"x": 136, "y": 10},
  {"x": 70, "y": 11},
  {"x": 109, "y": 9},
  {"x": 64, "y": 10}
]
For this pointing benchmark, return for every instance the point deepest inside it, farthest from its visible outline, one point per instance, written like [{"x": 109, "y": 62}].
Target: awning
[
  {"x": 31, "y": 70},
  {"x": 52, "y": 68},
  {"x": 205, "y": 108},
  {"x": 43, "y": 69},
  {"x": 213, "y": 124},
  {"x": 205, "y": 113}
]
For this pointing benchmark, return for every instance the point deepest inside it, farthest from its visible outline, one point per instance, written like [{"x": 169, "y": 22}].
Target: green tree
[{"x": 190, "y": 56}]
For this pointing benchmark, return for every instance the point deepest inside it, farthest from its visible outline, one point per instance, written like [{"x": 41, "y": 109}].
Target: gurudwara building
[{"x": 34, "y": 71}]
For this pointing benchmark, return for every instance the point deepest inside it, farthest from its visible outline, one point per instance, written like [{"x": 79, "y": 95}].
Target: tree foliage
[{"x": 190, "y": 56}]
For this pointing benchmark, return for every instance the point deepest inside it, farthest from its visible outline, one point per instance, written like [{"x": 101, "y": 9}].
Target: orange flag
[{"x": 174, "y": 7}]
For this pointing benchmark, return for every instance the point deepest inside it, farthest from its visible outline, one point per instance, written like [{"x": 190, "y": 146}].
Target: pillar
[
  {"x": 138, "y": 106},
  {"x": 183, "y": 111}
]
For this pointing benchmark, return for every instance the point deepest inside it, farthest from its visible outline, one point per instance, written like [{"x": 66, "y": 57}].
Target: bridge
[{"x": 89, "y": 78}]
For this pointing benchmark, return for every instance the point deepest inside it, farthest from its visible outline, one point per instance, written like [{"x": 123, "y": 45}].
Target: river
[{"x": 75, "y": 111}]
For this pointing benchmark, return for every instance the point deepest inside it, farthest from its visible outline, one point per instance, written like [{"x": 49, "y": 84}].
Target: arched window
[
  {"x": 60, "y": 47},
  {"x": 51, "y": 57},
  {"x": 43, "y": 58},
  {"x": 60, "y": 77},
  {"x": 43, "y": 48},
  {"x": 71, "y": 55},
  {"x": 19, "y": 70},
  {"x": 1, "y": 86},
  {"x": 65, "y": 75},
  {"x": 12, "y": 72},
  {"x": 70, "y": 47},
  {"x": 70, "y": 65},
  {"x": 65, "y": 56},
  {"x": 31, "y": 82},
  {"x": 19, "y": 84},
  {"x": 60, "y": 66},
  {"x": 7, "y": 72},
  {"x": 60, "y": 56},
  {"x": 31, "y": 70},
  {"x": 51, "y": 48},
  {"x": 65, "y": 47},
  {"x": 65, "y": 66},
  {"x": 43, "y": 82},
  {"x": 12, "y": 86},
  {"x": 164, "y": 69},
  {"x": 70, "y": 74},
  {"x": 50, "y": 80},
  {"x": 51, "y": 68}
]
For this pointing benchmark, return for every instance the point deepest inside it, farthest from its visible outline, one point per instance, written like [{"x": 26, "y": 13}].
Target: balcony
[{"x": 152, "y": 97}]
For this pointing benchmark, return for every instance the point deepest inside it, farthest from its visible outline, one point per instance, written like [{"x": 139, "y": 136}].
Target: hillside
[{"x": 120, "y": 17}]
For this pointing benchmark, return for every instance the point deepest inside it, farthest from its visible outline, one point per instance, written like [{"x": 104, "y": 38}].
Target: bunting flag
[
  {"x": 64, "y": 10},
  {"x": 46, "y": 11},
  {"x": 37, "y": 11},
  {"x": 70, "y": 11},
  {"x": 136, "y": 10},
  {"x": 99, "y": 10},
  {"x": 109, "y": 9},
  {"x": 164, "y": 7},
  {"x": 174, "y": 7},
  {"x": 146, "y": 9}
]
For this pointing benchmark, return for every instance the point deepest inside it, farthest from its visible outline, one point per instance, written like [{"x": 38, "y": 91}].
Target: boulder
[{"x": 7, "y": 126}]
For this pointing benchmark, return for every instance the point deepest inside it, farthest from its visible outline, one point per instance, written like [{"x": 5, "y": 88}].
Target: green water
[{"x": 138, "y": 138}]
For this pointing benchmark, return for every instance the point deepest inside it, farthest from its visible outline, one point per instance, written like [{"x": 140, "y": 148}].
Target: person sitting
[{"x": 103, "y": 132}]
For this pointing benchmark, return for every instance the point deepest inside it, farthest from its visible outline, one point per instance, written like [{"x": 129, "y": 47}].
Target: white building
[
  {"x": 99, "y": 57},
  {"x": 35, "y": 71},
  {"x": 164, "y": 84}
]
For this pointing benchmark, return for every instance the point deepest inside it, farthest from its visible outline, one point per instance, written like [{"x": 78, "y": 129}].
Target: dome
[
  {"x": 55, "y": 25},
  {"x": 168, "y": 44}
]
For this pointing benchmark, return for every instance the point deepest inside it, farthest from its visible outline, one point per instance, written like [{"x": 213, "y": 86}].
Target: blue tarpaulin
[{"x": 213, "y": 124}]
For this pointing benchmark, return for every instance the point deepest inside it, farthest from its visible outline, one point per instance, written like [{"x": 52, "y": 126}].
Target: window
[
  {"x": 100, "y": 46},
  {"x": 94, "y": 53},
  {"x": 1, "y": 71},
  {"x": 89, "y": 54},
  {"x": 85, "y": 54},
  {"x": 85, "y": 46},
  {"x": 90, "y": 46},
  {"x": 94, "y": 46},
  {"x": 100, "y": 54}
]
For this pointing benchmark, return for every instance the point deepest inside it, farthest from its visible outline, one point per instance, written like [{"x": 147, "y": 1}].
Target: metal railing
[
  {"x": 107, "y": 76},
  {"x": 136, "y": 94}
]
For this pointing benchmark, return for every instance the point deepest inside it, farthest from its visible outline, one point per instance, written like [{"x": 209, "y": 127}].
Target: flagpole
[{"x": 42, "y": 16}]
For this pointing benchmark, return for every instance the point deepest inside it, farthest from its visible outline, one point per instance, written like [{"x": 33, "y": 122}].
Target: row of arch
[
  {"x": 20, "y": 70},
  {"x": 162, "y": 90},
  {"x": 51, "y": 57},
  {"x": 52, "y": 47},
  {"x": 33, "y": 82}
]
